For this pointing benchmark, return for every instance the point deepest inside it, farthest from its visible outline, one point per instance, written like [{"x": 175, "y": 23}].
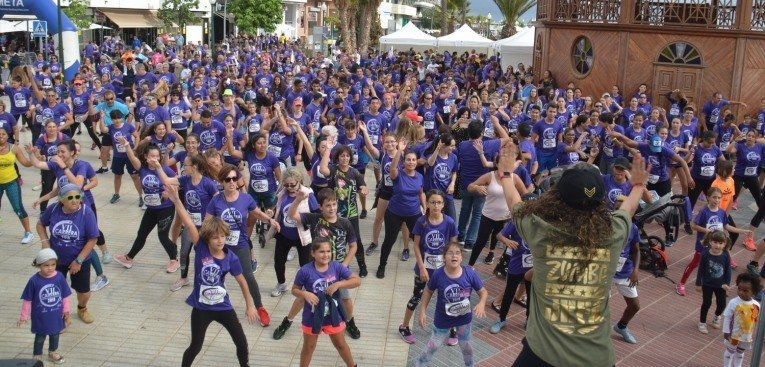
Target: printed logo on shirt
[
  {"x": 151, "y": 182},
  {"x": 211, "y": 273},
  {"x": 752, "y": 157},
  {"x": 66, "y": 230},
  {"x": 434, "y": 240},
  {"x": 257, "y": 170},
  {"x": 276, "y": 138},
  {"x": 613, "y": 194},
  {"x": 207, "y": 137},
  {"x": 321, "y": 284},
  {"x": 192, "y": 199},
  {"x": 50, "y": 295},
  {"x": 708, "y": 158},
  {"x": 231, "y": 216},
  {"x": 442, "y": 172}
]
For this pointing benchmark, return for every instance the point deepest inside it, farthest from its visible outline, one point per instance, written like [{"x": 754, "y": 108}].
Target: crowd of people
[{"x": 217, "y": 144}]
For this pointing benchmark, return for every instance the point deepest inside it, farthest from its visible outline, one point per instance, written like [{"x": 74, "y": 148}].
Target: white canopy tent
[
  {"x": 408, "y": 37},
  {"x": 10, "y": 26},
  {"x": 518, "y": 48},
  {"x": 464, "y": 39}
]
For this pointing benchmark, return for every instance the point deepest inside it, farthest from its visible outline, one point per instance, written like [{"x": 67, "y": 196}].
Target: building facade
[{"x": 697, "y": 46}]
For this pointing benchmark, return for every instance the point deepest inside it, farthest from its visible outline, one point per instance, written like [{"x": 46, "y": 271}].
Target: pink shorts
[{"x": 326, "y": 329}]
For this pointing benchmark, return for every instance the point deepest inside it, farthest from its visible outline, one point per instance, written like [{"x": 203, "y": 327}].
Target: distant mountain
[{"x": 484, "y": 7}]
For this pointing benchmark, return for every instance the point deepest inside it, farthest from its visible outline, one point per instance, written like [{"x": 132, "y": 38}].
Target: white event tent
[
  {"x": 464, "y": 39},
  {"x": 408, "y": 37},
  {"x": 518, "y": 48}
]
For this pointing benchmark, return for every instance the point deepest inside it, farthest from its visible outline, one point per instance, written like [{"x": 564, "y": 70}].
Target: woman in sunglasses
[
  {"x": 239, "y": 210},
  {"x": 73, "y": 234}
]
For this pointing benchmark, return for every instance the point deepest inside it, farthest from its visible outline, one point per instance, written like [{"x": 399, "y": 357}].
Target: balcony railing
[{"x": 711, "y": 14}]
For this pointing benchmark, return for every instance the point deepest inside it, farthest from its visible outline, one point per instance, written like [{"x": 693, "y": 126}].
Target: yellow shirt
[
  {"x": 7, "y": 169},
  {"x": 727, "y": 186}
]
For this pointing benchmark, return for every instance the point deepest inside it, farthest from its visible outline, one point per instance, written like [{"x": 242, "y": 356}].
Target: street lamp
[
  {"x": 212, "y": 26},
  {"x": 488, "y": 29},
  {"x": 323, "y": 8}
]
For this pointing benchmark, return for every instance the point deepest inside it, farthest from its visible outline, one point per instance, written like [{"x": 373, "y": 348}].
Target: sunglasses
[
  {"x": 230, "y": 179},
  {"x": 108, "y": 99},
  {"x": 72, "y": 197},
  {"x": 216, "y": 105},
  {"x": 77, "y": 84},
  {"x": 291, "y": 186}
]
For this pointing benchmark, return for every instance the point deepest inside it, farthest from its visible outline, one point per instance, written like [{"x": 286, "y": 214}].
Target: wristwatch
[
  {"x": 505, "y": 175},
  {"x": 77, "y": 260}
]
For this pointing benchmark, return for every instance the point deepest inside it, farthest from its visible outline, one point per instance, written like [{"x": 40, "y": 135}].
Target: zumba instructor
[{"x": 575, "y": 258}]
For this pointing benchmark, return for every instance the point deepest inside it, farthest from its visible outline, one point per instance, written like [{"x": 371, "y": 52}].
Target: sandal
[
  {"x": 520, "y": 302},
  {"x": 495, "y": 307},
  {"x": 55, "y": 357}
]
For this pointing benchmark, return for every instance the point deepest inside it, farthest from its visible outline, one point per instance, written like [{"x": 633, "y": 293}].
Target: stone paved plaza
[{"x": 140, "y": 322}]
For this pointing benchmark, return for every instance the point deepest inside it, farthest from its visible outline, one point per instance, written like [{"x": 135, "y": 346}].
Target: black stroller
[{"x": 669, "y": 211}]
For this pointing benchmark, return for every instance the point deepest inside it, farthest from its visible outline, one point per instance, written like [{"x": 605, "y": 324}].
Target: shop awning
[{"x": 133, "y": 18}]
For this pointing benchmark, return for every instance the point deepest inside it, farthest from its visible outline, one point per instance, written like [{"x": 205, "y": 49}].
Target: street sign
[{"x": 39, "y": 28}]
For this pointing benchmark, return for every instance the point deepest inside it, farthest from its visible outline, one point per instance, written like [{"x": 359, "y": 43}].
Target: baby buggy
[{"x": 669, "y": 211}]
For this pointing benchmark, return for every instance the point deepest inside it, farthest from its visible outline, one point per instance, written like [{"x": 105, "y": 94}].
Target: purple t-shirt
[
  {"x": 262, "y": 178},
  {"x": 56, "y": 113},
  {"x": 209, "y": 275},
  {"x": 69, "y": 232},
  {"x": 659, "y": 162},
  {"x": 614, "y": 189},
  {"x": 748, "y": 159},
  {"x": 288, "y": 225},
  {"x": 7, "y": 122},
  {"x": 152, "y": 188},
  {"x": 453, "y": 301},
  {"x": 163, "y": 143},
  {"x": 565, "y": 158},
  {"x": 79, "y": 168},
  {"x": 439, "y": 176},
  {"x": 625, "y": 265},
  {"x": 49, "y": 148},
  {"x": 711, "y": 220},
  {"x": 126, "y": 131},
  {"x": 315, "y": 281},
  {"x": 712, "y": 111},
  {"x": 433, "y": 239},
  {"x": 405, "y": 201},
  {"x": 80, "y": 103},
  {"x": 153, "y": 116},
  {"x": 520, "y": 260},
  {"x": 704, "y": 161},
  {"x": 211, "y": 136},
  {"x": 470, "y": 166},
  {"x": 19, "y": 99},
  {"x": 47, "y": 296},
  {"x": 548, "y": 136},
  {"x": 197, "y": 197},
  {"x": 176, "y": 109},
  {"x": 235, "y": 215}
]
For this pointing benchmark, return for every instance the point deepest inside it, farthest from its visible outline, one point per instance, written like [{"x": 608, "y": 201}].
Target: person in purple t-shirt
[
  {"x": 46, "y": 303},
  {"x": 626, "y": 281},
  {"x": 209, "y": 299},
  {"x": 519, "y": 262},
  {"x": 323, "y": 279},
  {"x": 712, "y": 110},
  {"x": 453, "y": 283}
]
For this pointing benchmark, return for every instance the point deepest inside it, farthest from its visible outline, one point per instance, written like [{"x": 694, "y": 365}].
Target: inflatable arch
[{"x": 47, "y": 10}]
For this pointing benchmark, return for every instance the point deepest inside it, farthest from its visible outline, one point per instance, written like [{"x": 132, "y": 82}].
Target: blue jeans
[
  {"x": 14, "y": 195},
  {"x": 470, "y": 212},
  {"x": 449, "y": 208},
  {"x": 437, "y": 339},
  {"x": 40, "y": 340},
  {"x": 547, "y": 162}
]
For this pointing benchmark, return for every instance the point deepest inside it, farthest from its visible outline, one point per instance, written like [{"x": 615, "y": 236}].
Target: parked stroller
[{"x": 669, "y": 211}]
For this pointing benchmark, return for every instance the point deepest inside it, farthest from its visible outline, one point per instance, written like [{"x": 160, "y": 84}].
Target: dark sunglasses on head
[
  {"x": 230, "y": 179},
  {"x": 73, "y": 197}
]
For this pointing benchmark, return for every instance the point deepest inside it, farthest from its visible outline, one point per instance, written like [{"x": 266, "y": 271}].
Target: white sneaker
[
  {"x": 37, "y": 188},
  {"x": 180, "y": 283},
  {"x": 28, "y": 237},
  {"x": 101, "y": 282},
  {"x": 703, "y": 328},
  {"x": 279, "y": 290},
  {"x": 291, "y": 254},
  {"x": 717, "y": 322}
]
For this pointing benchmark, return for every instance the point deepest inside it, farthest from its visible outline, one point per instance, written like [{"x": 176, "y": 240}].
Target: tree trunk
[
  {"x": 352, "y": 26},
  {"x": 508, "y": 30},
  {"x": 345, "y": 24},
  {"x": 366, "y": 12},
  {"x": 464, "y": 17},
  {"x": 444, "y": 18}
]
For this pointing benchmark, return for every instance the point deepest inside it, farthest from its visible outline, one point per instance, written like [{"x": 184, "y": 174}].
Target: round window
[{"x": 582, "y": 55}]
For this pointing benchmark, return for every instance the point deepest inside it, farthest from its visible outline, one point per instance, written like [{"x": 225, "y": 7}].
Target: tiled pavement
[{"x": 139, "y": 322}]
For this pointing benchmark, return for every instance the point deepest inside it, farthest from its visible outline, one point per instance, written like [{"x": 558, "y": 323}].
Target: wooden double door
[{"x": 667, "y": 78}]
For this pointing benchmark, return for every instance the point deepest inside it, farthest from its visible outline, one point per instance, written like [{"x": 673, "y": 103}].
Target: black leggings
[
  {"x": 283, "y": 245},
  {"x": 753, "y": 184},
  {"x": 162, "y": 219},
  {"x": 706, "y": 301},
  {"x": 662, "y": 187},
  {"x": 486, "y": 229},
  {"x": 93, "y": 136},
  {"x": 393, "y": 224},
  {"x": 201, "y": 319},
  {"x": 511, "y": 286},
  {"x": 702, "y": 185},
  {"x": 359, "y": 245},
  {"x": 48, "y": 179},
  {"x": 185, "y": 254},
  {"x": 244, "y": 254},
  {"x": 101, "y": 239}
]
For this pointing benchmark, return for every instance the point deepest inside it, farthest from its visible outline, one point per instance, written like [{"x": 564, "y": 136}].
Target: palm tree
[{"x": 512, "y": 10}]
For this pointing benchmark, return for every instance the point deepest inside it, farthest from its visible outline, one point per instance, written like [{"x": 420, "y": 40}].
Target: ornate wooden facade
[{"x": 697, "y": 46}]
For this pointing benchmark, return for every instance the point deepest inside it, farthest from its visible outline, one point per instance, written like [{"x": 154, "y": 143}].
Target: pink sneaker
[
  {"x": 733, "y": 264},
  {"x": 124, "y": 261},
  {"x": 173, "y": 265},
  {"x": 680, "y": 289}
]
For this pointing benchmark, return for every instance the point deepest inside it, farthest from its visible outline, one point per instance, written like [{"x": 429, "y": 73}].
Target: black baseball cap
[
  {"x": 581, "y": 187},
  {"x": 622, "y": 163}
]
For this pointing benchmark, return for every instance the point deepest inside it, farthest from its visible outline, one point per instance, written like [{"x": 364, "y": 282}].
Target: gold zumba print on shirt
[{"x": 576, "y": 289}]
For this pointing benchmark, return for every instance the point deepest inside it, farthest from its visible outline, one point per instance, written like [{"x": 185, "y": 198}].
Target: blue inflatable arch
[{"x": 47, "y": 10}]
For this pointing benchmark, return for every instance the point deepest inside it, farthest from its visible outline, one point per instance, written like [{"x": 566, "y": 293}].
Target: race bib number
[
  {"x": 620, "y": 264},
  {"x": 374, "y": 139},
  {"x": 460, "y": 308},
  {"x": 355, "y": 159},
  {"x": 233, "y": 238},
  {"x": 750, "y": 171},
  {"x": 254, "y": 127},
  {"x": 388, "y": 181},
  {"x": 548, "y": 143},
  {"x": 707, "y": 171},
  {"x": 196, "y": 218},
  {"x": 152, "y": 199},
  {"x": 211, "y": 294},
  {"x": 177, "y": 119},
  {"x": 447, "y": 109},
  {"x": 608, "y": 151},
  {"x": 488, "y": 132},
  {"x": 716, "y": 226},
  {"x": 260, "y": 185},
  {"x": 434, "y": 261},
  {"x": 527, "y": 260},
  {"x": 80, "y": 118},
  {"x": 275, "y": 150},
  {"x": 429, "y": 125},
  {"x": 652, "y": 179}
]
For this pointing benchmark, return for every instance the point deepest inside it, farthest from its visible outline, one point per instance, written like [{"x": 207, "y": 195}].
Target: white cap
[{"x": 45, "y": 255}]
